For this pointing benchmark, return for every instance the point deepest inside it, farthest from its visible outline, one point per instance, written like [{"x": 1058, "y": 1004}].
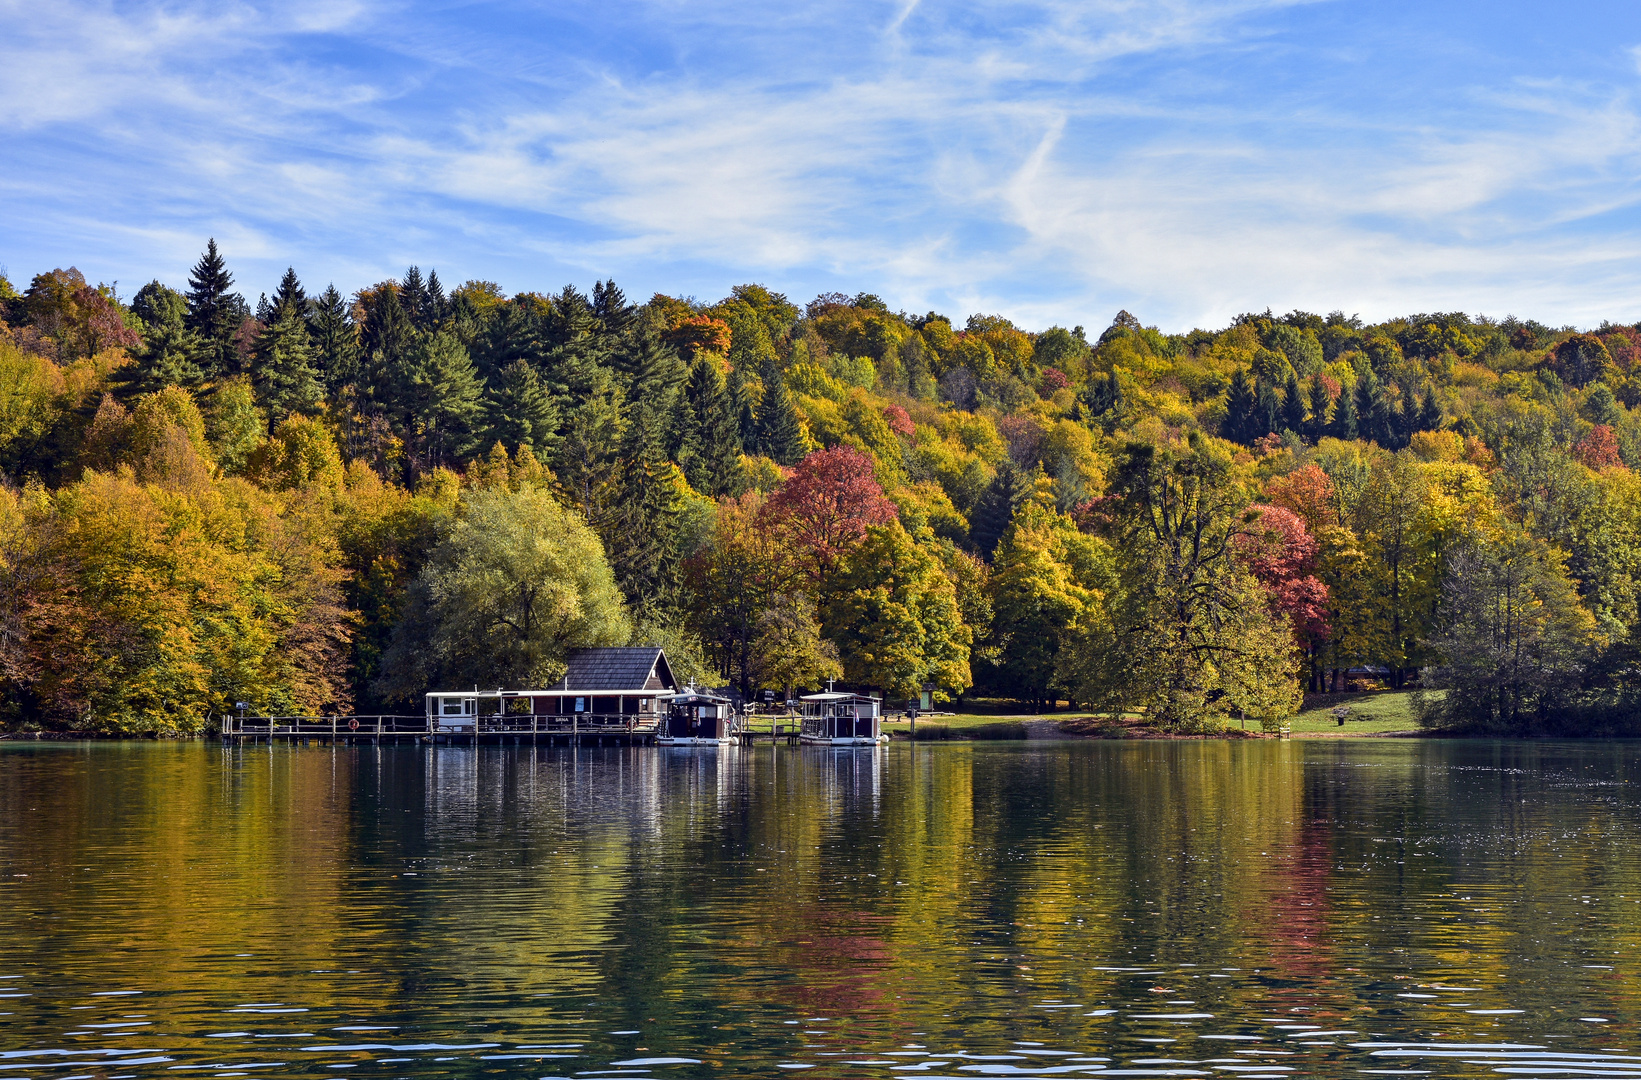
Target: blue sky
[{"x": 1049, "y": 161}]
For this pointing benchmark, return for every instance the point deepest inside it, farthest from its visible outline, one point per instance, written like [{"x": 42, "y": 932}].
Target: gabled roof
[{"x": 606, "y": 670}]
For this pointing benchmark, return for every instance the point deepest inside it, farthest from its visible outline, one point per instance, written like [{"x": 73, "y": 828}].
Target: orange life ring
[{"x": 353, "y": 725}]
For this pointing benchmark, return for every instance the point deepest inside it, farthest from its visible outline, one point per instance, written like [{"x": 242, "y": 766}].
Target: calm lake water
[{"x": 981, "y": 910}]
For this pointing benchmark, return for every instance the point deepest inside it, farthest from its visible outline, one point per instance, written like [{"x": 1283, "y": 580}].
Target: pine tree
[
  {"x": 1430, "y": 413},
  {"x": 170, "y": 355},
  {"x": 290, "y": 294},
  {"x": 642, "y": 539},
  {"x": 1293, "y": 405},
  {"x": 611, "y": 307},
  {"x": 413, "y": 297},
  {"x": 1344, "y": 423},
  {"x": 1371, "y": 413},
  {"x": 1240, "y": 402},
  {"x": 438, "y": 306},
  {"x": 386, "y": 340},
  {"x": 710, "y": 450},
  {"x": 1267, "y": 412},
  {"x": 522, "y": 411},
  {"x": 650, "y": 367},
  {"x": 283, "y": 372},
  {"x": 336, "y": 351},
  {"x": 995, "y": 511},
  {"x": 780, "y": 432},
  {"x": 212, "y": 311},
  {"x": 444, "y": 399},
  {"x": 1317, "y": 426}
]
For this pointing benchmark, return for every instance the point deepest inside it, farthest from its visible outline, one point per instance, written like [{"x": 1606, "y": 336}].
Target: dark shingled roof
[{"x": 642, "y": 667}]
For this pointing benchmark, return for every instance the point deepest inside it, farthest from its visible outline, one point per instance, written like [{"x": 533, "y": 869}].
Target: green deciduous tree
[
  {"x": 514, "y": 582},
  {"x": 893, "y": 615}
]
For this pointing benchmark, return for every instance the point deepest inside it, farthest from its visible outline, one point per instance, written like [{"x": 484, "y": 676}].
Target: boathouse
[
  {"x": 603, "y": 689},
  {"x": 836, "y": 718},
  {"x": 695, "y": 716}
]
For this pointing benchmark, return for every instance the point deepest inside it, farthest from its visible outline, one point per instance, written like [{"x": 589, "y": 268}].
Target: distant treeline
[{"x": 326, "y": 502}]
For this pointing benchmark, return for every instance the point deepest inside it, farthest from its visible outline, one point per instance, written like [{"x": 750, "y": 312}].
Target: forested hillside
[{"x": 333, "y": 502}]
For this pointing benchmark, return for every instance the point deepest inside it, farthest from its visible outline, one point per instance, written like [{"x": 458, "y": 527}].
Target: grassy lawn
[{"x": 1370, "y": 714}]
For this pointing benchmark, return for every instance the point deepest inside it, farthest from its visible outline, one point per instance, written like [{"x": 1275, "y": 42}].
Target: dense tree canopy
[{"x": 328, "y": 500}]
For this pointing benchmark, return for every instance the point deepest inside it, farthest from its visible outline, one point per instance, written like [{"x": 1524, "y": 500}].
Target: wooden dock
[
  {"x": 502, "y": 729},
  {"x": 537, "y": 730}
]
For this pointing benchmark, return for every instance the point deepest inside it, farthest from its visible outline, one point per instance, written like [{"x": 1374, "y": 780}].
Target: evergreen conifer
[
  {"x": 1293, "y": 405},
  {"x": 213, "y": 313},
  {"x": 522, "y": 410},
  {"x": 290, "y": 294},
  {"x": 336, "y": 352},
  {"x": 1344, "y": 424},
  {"x": 283, "y": 371},
  {"x": 780, "y": 432},
  {"x": 995, "y": 511},
  {"x": 710, "y": 450},
  {"x": 740, "y": 404},
  {"x": 1240, "y": 401},
  {"x": 1430, "y": 412},
  {"x": 1267, "y": 413},
  {"x": 1317, "y": 426},
  {"x": 413, "y": 297}
]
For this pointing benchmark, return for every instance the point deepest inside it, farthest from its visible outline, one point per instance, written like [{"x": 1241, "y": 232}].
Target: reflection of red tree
[
  {"x": 1300, "y": 946},
  {"x": 837, "y": 962}
]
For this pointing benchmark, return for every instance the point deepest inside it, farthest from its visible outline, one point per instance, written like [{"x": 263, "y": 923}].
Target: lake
[{"x": 1029, "y": 909}]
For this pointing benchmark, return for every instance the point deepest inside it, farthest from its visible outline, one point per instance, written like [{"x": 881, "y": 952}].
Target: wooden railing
[{"x": 387, "y": 726}]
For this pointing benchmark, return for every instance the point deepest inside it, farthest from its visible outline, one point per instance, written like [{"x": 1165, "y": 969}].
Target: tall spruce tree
[
  {"x": 213, "y": 312},
  {"x": 283, "y": 372},
  {"x": 1317, "y": 425},
  {"x": 995, "y": 511},
  {"x": 642, "y": 539},
  {"x": 336, "y": 350},
  {"x": 780, "y": 432},
  {"x": 438, "y": 305},
  {"x": 1293, "y": 405},
  {"x": 1374, "y": 421},
  {"x": 611, "y": 307},
  {"x": 386, "y": 340},
  {"x": 522, "y": 411},
  {"x": 170, "y": 354},
  {"x": 1344, "y": 424},
  {"x": 443, "y": 400},
  {"x": 1430, "y": 412},
  {"x": 413, "y": 297},
  {"x": 290, "y": 294},
  {"x": 710, "y": 450},
  {"x": 1267, "y": 412}
]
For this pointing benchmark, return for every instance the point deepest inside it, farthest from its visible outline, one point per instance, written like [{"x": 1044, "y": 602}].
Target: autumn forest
[{"x": 329, "y": 502}]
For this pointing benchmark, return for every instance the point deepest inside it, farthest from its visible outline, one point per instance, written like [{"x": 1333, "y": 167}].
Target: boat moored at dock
[
  {"x": 697, "y": 717},
  {"x": 836, "y": 718}
]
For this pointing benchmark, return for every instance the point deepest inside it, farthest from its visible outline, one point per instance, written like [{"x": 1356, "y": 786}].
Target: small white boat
[
  {"x": 698, "y": 718},
  {"x": 835, "y": 718}
]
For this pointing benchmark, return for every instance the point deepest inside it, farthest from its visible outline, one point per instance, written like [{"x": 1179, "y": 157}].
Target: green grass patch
[{"x": 1370, "y": 714}]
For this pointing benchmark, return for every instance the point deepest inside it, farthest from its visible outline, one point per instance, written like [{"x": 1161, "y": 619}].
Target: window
[
  {"x": 580, "y": 704},
  {"x": 451, "y": 706}
]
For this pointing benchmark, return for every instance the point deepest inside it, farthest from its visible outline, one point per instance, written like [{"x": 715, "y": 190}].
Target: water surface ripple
[{"x": 1370, "y": 908}]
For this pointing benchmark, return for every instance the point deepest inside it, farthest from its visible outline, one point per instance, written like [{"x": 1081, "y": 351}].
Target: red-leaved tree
[
  {"x": 1598, "y": 449},
  {"x": 1281, "y": 552},
  {"x": 825, "y": 507},
  {"x": 1307, "y": 492}
]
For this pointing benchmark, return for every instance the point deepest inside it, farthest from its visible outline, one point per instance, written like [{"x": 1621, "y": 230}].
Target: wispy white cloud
[{"x": 1049, "y": 160}]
